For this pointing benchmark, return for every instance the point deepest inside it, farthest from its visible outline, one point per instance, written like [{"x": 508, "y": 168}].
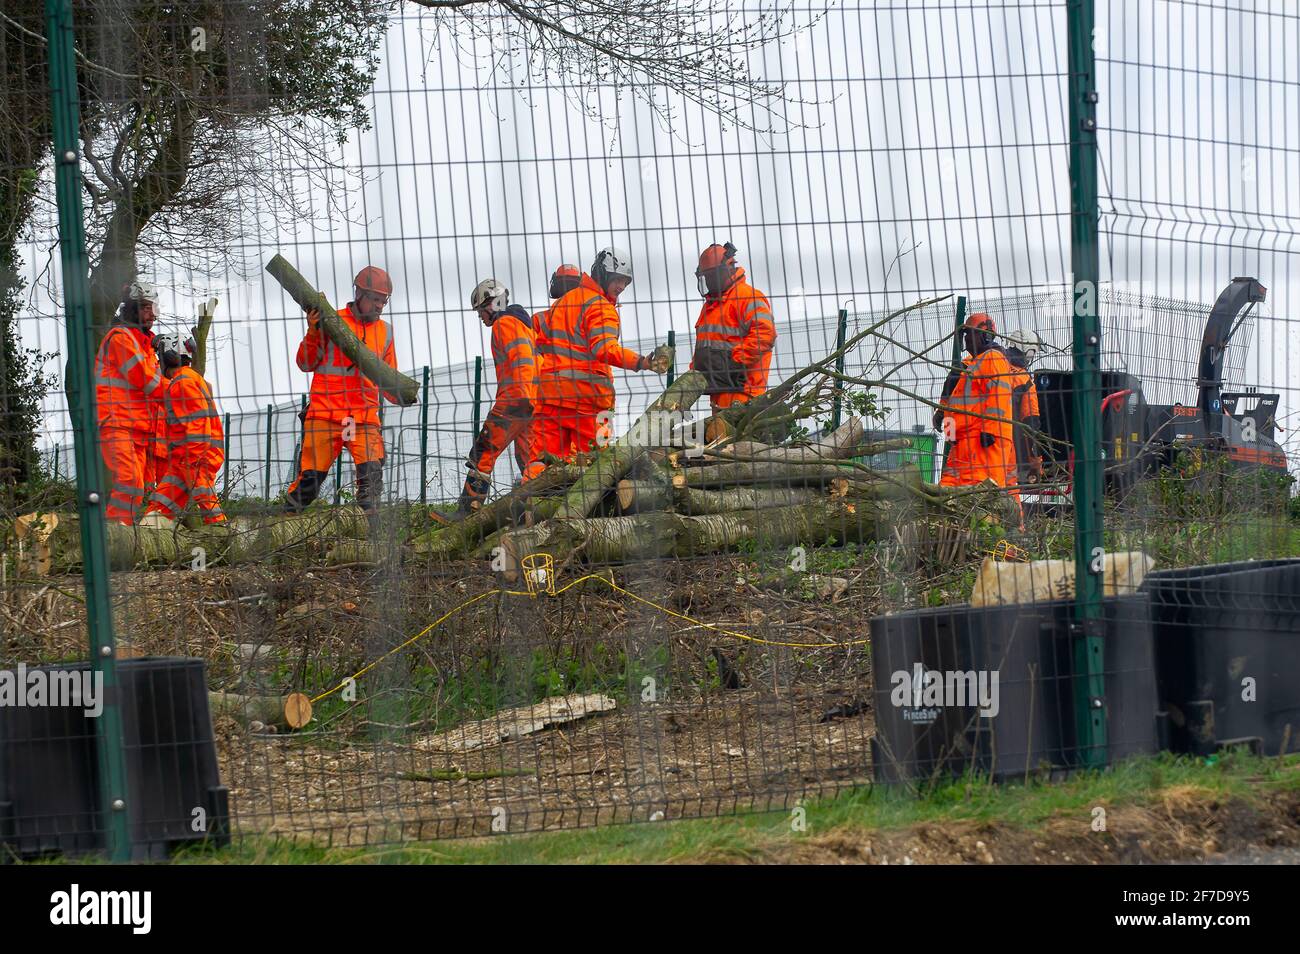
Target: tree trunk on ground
[
  {"x": 372, "y": 365},
  {"x": 282, "y": 712},
  {"x": 644, "y": 496},
  {"x": 465, "y": 535},
  {"x": 669, "y": 535},
  {"x": 613, "y": 462},
  {"x": 313, "y": 533}
]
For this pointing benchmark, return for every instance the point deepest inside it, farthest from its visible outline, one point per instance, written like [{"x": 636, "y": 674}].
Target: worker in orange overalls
[
  {"x": 195, "y": 438},
  {"x": 511, "y": 417},
  {"x": 128, "y": 384},
  {"x": 343, "y": 406},
  {"x": 578, "y": 341},
  {"x": 734, "y": 334},
  {"x": 1022, "y": 348},
  {"x": 978, "y": 413}
]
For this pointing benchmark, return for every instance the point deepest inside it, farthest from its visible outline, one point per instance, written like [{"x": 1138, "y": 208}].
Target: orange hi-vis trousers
[
  {"x": 125, "y": 454},
  {"x": 969, "y": 463},
  {"x": 189, "y": 479},
  {"x": 562, "y": 431},
  {"x": 509, "y": 421},
  {"x": 322, "y": 442}
]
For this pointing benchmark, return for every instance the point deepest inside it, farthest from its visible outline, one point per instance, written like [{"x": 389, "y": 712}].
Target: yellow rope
[{"x": 582, "y": 579}]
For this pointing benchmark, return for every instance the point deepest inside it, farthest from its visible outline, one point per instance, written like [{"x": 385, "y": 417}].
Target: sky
[{"x": 927, "y": 157}]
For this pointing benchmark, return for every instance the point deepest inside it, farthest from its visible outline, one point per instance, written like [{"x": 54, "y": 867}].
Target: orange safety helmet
[
  {"x": 374, "y": 280},
  {"x": 564, "y": 280},
  {"x": 979, "y": 331},
  {"x": 717, "y": 269}
]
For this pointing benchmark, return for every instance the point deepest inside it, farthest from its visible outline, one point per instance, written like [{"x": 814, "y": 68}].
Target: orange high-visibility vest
[
  {"x": 127, "y": 380},
  {"x": 512, "y": 353},
  {"x": 1026, "y": 394},
  {"x": 739, "y": 321},
  {"x": 984, "y": 388},
  {"x": 338, "y": 388},
  {"x": 191, "y": 414},
  {"x": 578, "y": 341}
]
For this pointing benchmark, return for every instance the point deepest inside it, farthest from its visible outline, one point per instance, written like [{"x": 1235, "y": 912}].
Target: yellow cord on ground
[{"x": 582, "y": 579}]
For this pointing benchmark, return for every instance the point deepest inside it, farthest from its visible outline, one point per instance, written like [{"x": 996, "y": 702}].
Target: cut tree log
[
  {"x": 390, "y": 380},
  {"x": 645, "y": 496},
  {"x": 613, "y": 462},
  {"x": 312, "y": 533},
  {"x": 662, "y": 534},
  {"x": 283, "y": 712},
  {"x": 463, "y": 536},
  {"x": 201, "y": 331}
]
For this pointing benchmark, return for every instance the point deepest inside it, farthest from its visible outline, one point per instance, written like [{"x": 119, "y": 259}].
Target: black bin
[
  {"x": 49, "y": 771},
  {"x": 1215, "y": 627},
  {"x": 1031, "y": 649}
]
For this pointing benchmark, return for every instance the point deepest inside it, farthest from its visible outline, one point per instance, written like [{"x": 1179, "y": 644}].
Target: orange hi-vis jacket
[
  {"x": 578, "y": 341},
  {"x": 513, "y": 354},
  {"x": 338, "y": 388},
  {"x": 984, "y": 388},
  {"x": 128, "y": 381},
  {"x": 739, "y": 321},
  {"x": 192, "y": 419}
]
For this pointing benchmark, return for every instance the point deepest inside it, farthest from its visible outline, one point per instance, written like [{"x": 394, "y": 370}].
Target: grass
[{"x": 770, "y": 835}]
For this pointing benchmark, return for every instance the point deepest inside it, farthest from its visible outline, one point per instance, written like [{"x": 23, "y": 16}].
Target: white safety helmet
[
  {"x": 1028, "y": 343},
  {"x": 611, "y": 263},
  {"x": 139, "y": 291},
  {"x": 172, "y": 349},
  {"x": 489, "y": 293}
]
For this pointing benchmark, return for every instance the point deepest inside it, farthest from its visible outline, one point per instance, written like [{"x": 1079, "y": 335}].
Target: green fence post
[
  {"x": 478, "y": 390},
  {"x": 225, "y": 464},
  {"x": 65, "y": 115},
  {"x": 837, "y": 408},
  {"x": 1086, "y": 411},
  {"x": 270, "y": 423},
  {"x": 672, "y": 368},
  {"x": 424, "y": 440}
]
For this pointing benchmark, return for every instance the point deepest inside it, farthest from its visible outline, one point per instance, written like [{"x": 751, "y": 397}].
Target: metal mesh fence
[{"x": 744, "y": 592}]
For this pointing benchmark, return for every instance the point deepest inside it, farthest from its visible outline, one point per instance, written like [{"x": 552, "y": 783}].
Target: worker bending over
[
  {"x": 578, "y": 341},
  {"x": 195, "y": 439},
  {"x": 511, "y": 418},
  {"x": 734, "y": 334},
  {"x": 977, "y": 414},
  {"x": 343, "y": 407},
  {"x": 128, "y": 386}
]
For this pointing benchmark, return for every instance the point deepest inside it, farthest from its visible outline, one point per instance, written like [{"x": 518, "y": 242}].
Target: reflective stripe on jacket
[
  {"x": 739, "y": 321},
  {"x": 578, "y": 342},
  {"x": 191, "y": 414},
  {"x": 984, "y": 388},
  {"x": 513, "y": 354},
  {"x": 338, "y": 388},
  {"x": 127, "y": 380}
]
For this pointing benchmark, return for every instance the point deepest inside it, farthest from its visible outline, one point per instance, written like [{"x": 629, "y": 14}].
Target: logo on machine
[{"x": 923, "y": 693}]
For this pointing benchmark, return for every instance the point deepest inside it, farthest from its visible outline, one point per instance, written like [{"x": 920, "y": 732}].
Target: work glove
[
  {"x": 1036, "y": 468},
  {"x": 937, "y": 420},
  {"x": 987, "y": 440},
  {"x": 661, "y": 359},
  {"x": 313, "y": 318}
]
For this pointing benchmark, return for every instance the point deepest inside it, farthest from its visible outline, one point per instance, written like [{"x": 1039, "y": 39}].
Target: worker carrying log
[
  {"x": 1022, "y": 347},
  {"x": 195, "y": 438},
  {"x": 343, "y": 406},
  {"x": 128, "y": 387},
  {"x": 978, "y": 413},
  {"x": 511, "y": 419},
  {"x": 734, "y": 334},
  {"x": 578, "y": 340}
]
